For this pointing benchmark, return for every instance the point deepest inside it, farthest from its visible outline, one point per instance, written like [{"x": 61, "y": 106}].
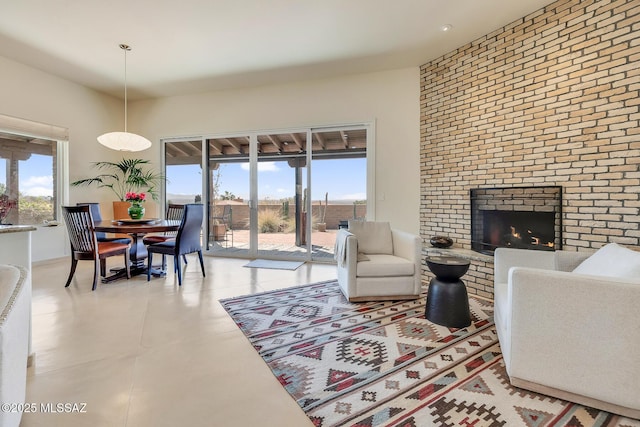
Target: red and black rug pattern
[{"x": 383, "y": 364}]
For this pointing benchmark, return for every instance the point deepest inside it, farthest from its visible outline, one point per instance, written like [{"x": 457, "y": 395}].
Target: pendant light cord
[
  {"x": 125, "y": 48},
  {"x": 124, "y": 141}
]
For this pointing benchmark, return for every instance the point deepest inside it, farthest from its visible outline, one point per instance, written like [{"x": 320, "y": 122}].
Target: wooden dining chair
[
  {"x": 85, "y": 245},
  {"x": 174, "y": 212},
  {"x": 102, "y": 236},
  {"x": 226, "y": 219},
  {"x": 187, "y": 241}
]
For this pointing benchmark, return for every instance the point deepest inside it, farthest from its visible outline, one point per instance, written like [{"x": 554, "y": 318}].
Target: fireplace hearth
[{"x": 516, "y": 217}]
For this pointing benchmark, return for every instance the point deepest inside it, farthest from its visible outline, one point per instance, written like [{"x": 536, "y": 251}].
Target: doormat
[
  {"x": 276, "y": 265},
  {"x": 383, "y": 364}
]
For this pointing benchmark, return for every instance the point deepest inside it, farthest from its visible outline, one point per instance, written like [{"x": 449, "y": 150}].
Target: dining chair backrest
[
  {"x": 225, "y": 218},
  {"x": 80, "y": 228},
  {"x": 226, "y": 211},
  {"x": 188, "y": 237},
  {"x": 96, "y": 215},
  {"x": 174, "y": 212}
]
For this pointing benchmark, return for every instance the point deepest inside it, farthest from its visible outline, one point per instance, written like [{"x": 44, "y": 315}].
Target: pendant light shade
[{"x": 124, "y": 141}]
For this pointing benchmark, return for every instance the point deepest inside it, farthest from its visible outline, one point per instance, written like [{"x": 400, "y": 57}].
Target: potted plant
[
  {"x": 123, "y": 177},
  {"x": 5, "y": 207},
  {"x": 219, "y": 230},
  {"x": 136, "y": 210}
]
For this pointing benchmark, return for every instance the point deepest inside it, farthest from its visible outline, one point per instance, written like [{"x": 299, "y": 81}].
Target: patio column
[
  {"x": 13, "y": 184},
  {"x": 299, "y": 164}
]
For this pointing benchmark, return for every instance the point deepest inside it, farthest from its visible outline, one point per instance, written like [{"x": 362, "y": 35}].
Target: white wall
[
  {"x": 390, "y": 98},
  {"x": 35, "y": 95}
]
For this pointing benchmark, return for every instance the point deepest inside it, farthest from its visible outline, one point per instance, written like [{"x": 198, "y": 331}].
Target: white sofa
[
  {"x": 376, "y": 262},
  {"x": 569, "y": 335},
  {"x": 15, "y": 306}
]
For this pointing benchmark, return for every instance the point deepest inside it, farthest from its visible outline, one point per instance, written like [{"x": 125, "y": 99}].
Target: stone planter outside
[{"x": 219, "y": 231}]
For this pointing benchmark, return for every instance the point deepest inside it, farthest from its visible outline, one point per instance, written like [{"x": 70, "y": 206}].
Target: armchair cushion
[
  {"x": 384, "y": 266},
  {"x": 612, "y": 260},
  {"x": 373, "y": 237},
  {"x": 362, "y": 257}
]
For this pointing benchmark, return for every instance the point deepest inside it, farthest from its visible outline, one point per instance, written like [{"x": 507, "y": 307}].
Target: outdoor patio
[{"x": 281, "y": 244}]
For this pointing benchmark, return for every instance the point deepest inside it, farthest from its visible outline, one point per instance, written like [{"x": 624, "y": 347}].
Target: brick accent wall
[{"x": 551, "y": 99}]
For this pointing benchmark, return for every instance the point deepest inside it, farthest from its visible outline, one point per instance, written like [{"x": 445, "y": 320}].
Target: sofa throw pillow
[
  {"x": 373, "y": 237},
  {"x": 612, "y": 260}
]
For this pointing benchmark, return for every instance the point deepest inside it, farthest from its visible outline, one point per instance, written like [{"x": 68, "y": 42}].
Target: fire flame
[{"x": 534, "y": 240}]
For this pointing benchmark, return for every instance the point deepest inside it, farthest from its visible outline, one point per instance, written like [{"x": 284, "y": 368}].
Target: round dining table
[{"x": 136, "y": 229}]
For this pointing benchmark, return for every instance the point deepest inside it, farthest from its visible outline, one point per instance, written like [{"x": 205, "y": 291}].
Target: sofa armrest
[
  {"x": 15, "y": 317},
  {"x": 505, "y": 258},
  {"x": 576, "y": 333}
]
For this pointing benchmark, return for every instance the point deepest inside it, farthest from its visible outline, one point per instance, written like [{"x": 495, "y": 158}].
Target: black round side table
[{"x": 447, "y": 299}]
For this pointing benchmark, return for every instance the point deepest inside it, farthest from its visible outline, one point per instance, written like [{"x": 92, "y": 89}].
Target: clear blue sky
[
  {"x": 35, "y": 175},
  {"x": 343, "y": 179}
]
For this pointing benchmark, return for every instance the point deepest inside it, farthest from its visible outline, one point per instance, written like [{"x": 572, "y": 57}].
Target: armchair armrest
[
  {"x": 576, "y": 333},
  {"x": 347, "y": 266},
  {"x": 409, "y": 246},
  {"x": 406, "y": 245}
]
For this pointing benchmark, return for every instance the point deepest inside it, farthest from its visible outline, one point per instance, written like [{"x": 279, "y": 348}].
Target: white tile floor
[{"x": 153, "y": 354}]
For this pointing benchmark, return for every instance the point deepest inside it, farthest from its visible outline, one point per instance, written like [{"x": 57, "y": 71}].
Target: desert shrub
[
  {"x": 269, "y": 221},
  {"x": 33, "y": 210},
  {"x": 289, "y": 225}
]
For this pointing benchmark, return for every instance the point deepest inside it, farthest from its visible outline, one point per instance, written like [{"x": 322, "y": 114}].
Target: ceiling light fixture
[
  {"x": 446, "y": 27},
  {"x": 124, "y": 141}
]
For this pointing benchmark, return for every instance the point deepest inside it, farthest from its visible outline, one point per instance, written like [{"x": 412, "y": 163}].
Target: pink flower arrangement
[
  {"x": 135, "y": 197},
  {"x": 5, "y": 206}
]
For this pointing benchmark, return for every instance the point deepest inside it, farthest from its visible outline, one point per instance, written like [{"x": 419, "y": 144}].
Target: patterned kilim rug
[{"x": 383, "y": 364}]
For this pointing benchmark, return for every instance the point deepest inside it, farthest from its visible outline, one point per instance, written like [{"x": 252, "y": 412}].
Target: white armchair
[
  {"x": 569, "y": 335},
  {"x": 376, "y": 262}
]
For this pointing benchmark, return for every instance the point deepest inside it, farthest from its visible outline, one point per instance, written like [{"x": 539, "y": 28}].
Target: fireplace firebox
[{"x": 516, "y": 217}]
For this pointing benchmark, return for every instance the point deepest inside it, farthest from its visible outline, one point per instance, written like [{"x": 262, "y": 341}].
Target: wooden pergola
[{"x": 324, "y": 144}]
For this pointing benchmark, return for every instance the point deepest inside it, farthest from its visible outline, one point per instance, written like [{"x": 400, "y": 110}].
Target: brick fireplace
[{"x": 549, "y": 100}]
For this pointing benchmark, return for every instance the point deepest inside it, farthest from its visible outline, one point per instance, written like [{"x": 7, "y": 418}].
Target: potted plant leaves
[{"x": 125, "y": 176}]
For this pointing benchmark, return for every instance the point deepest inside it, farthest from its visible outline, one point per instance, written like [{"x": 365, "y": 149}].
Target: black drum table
[{"x": 447, "y": 299}]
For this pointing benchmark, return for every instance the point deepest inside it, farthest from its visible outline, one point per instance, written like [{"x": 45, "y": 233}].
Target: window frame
[{"x": 58, "y": 136}]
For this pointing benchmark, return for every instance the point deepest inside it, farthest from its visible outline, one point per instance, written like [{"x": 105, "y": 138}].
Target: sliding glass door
[
  {"x": 183, "y": 170},
  {"x": 339, "y": 182},
  {"x": 229, "y": 182},
  {"x": 278, "y": 194},
  {"x": 281, "y": 184}
]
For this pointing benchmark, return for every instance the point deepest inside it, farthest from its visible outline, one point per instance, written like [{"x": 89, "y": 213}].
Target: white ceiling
[{"x": 187, "y": 46}]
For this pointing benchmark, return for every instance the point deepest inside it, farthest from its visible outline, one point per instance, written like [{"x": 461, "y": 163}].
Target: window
[{"x": 28, "y": 186}]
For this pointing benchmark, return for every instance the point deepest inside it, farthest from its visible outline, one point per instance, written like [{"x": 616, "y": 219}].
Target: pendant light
[{"x": 124, "y": 141}]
